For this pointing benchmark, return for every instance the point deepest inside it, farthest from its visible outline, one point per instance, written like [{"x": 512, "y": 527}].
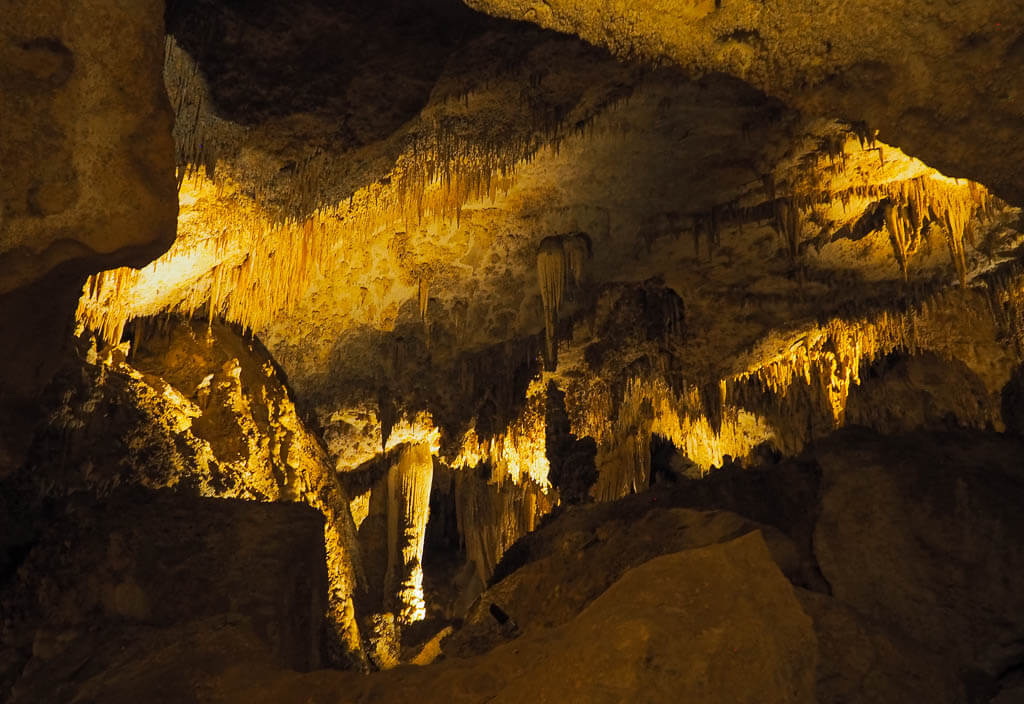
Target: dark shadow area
[
  {"x": 368, "y": 58},
  {"x": 573, "y": 471}
]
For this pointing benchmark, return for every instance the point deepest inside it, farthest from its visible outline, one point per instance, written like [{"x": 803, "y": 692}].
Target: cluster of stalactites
[
  {"x": 831, "y": 356},
  {"x": 908, "y": 205},
  {"x": 707, "y": 422},
  {"x": 560, "y": 262},
  {"x": 250, "y": 272},
  {"x": 103, "y": 307},
  {"x": 1005, "y": 295},
  {"x": 492, "y": 516},
  {"x": 911, "y": 205},
  {"x": 252, "y": 278},
  {"x": 519, "y": 453}
]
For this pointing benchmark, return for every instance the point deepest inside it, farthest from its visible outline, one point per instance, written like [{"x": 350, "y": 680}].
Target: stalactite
[
  {"x": 551, "y": 273},
  {"x": 956, "y": 217},
  {"x": 900, "y": 235},
  {"x": 424, "y": 298},
  {"x": 442, "y": 167},
  {"x": 560, "y": 261},
  {"x": 492, "y": 516},
  {"x": 577, "y": 249},
  {"x": 788, "y": 224}
]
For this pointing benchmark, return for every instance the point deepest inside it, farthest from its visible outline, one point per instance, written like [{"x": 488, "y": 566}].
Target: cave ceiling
[{"x": 396, "y": 196}]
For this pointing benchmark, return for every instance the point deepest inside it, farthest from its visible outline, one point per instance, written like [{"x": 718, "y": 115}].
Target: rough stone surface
[
  {"x": 574, "y": 559},
  {"x": 918, "y": 532},
  {"x": 714, "y": 624},
  {"x": 202, "y": 410},
  {"x": 911, "y": 71},
  {"x": 910, "y": 392},
  {"x": 860, "y": 662},
  {"x": 87, "y": 134},
  {"x": 1012, "y": 403},
  {"x": 88, "y": 176},
  {"x": 103, "y": 574}
]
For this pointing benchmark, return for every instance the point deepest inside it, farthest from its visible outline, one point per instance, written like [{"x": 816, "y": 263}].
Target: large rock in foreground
[
  {"x": 580, "y": 555},
  {"x": 863, "y": 662},
  {"x": 108, "y": 580},
  {"x": 713, "y": 624},
  {"x": 88, "y": 177}
]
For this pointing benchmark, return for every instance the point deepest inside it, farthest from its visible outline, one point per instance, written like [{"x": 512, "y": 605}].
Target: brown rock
[
  {"x": 864, "y": 662},
  {"x": 574, "y": 566},
  {"x": 88, "y": 176},
  {"x": 714, "y": 624},
  {"x": 918, "y": 532},
  {"x": 145, "y": 560},
  {"x": 905, "y": 75}
]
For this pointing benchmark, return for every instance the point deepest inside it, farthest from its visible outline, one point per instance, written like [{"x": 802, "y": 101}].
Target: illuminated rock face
[
  {"x": 216, "y": 422},
  {"x": 86, "y": 116},
  {"x": 409, "y": 484},
  {"x": 87, "y": 178},
  {"x": 855, "y": 60}
]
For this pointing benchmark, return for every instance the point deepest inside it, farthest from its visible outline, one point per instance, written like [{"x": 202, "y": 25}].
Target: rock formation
[{"x": 665, "y": 351}]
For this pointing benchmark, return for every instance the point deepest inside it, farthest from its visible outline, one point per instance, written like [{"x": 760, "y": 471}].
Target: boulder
[
  {"x": 88, "y": 177},
  {"x": 576, "y": 560},
  {"x": 105, "y": 576},
  {"x": 861, "y": 662},
  {"x": 712, "y": 624}
]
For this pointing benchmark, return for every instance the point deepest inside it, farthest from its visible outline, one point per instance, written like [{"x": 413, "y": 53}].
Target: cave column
[{"x": 409, "y": 483}]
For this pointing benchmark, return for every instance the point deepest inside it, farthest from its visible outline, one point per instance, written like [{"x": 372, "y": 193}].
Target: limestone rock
[
  {"x": 87, "y": 129},
  {"x": 578, "y": 559},
  {"x": 853, "y": 59},
  {"x": 923, "y": 391},
  {"x": 88, "y": 177},
  {"x": 919, "y": 532},
  {"x": 861, "y": 662},
  {"x": 713, "y": 624},
  {"x": 202, "y": 410},
  {"x": 104, "y": 574}
]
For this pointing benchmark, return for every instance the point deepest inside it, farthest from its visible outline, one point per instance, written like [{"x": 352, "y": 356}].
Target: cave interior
[{"x": 512, "y": 351}]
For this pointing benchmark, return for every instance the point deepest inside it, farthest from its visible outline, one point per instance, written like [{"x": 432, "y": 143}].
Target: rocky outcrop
[
  {"x": 577, "y": 557},
  {"x": 918, "y": 533},
  {"x": 1012, "y": 403},
  {"x": 694, "y": 630},
  {"x": 905, "y": 73},
  {"x": 88, "y": 179},
  {"x": 201, "y": 410},
  {"x": 864, "y": 662},
  {"x": 106, "y": 578},
  {"x": 87, "y": 134},
  {"x": 909, "y": 392}
]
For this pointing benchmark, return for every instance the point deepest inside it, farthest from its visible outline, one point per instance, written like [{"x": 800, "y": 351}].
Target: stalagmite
[{"x": 409, "y": 482}]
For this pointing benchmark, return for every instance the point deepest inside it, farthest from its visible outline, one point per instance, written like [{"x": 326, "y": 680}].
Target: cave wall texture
[
  {"x": 87, "y": 179},
  {"x": 661, "y": 350}
]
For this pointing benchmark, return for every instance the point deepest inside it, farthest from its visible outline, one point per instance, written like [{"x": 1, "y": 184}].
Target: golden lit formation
[{"x": 258, "y": 241}]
